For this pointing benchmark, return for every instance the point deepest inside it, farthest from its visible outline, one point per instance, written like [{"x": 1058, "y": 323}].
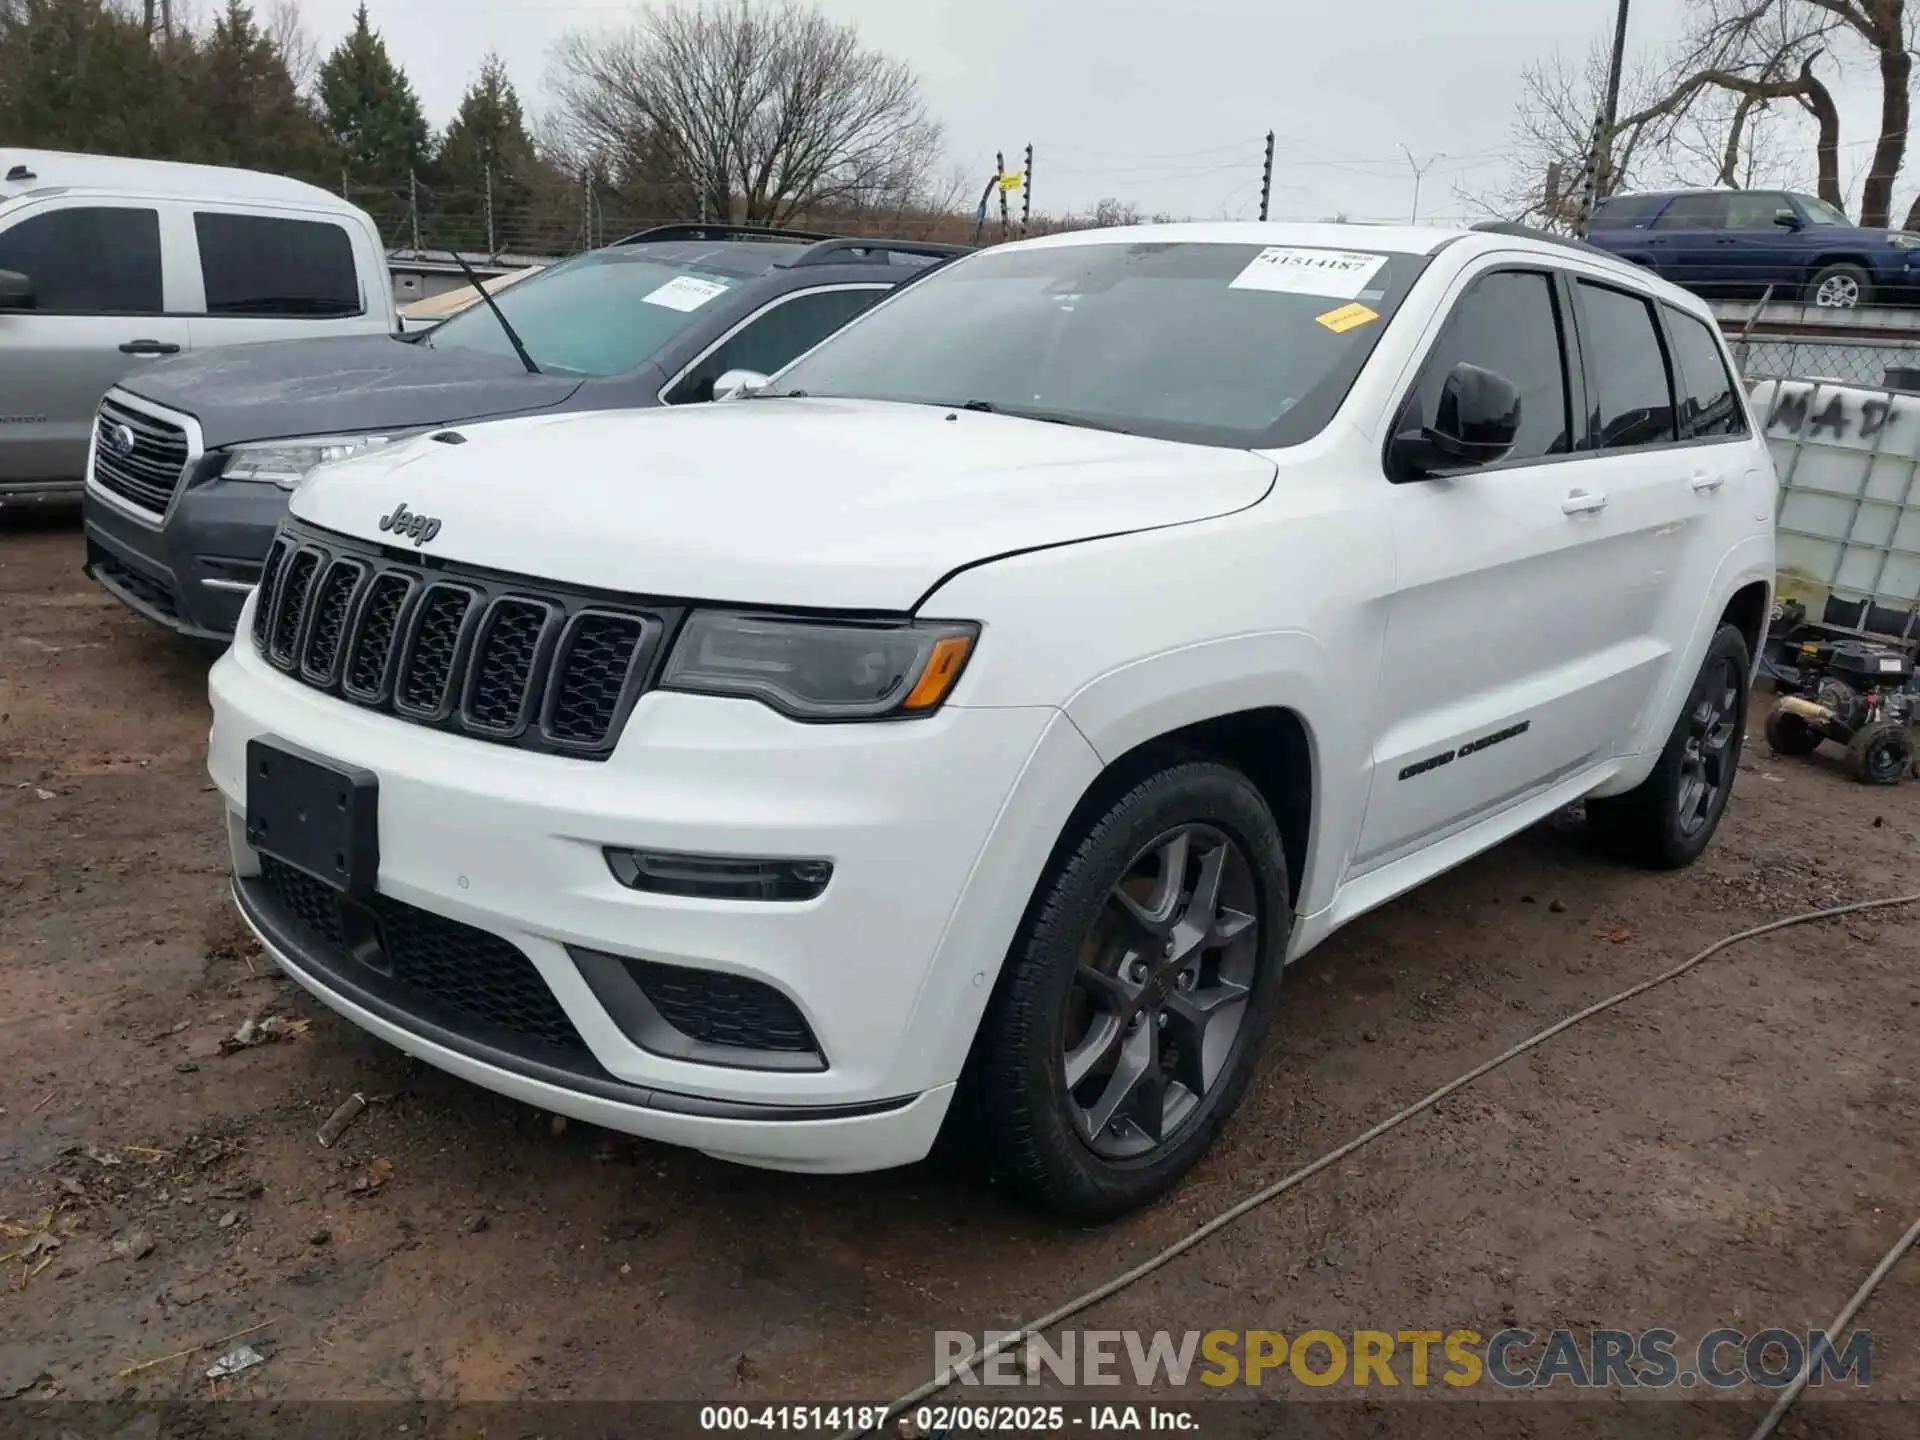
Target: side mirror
[
  {"x": 733, "y": 384},
  {"x": 1787, "y": 220},
  {"x": 16, "y": 291},
  {"x": 1475, "y": 424}
]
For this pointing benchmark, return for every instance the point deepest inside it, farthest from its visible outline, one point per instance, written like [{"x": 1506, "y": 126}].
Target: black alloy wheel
[{"x": 1161, "y": 991}]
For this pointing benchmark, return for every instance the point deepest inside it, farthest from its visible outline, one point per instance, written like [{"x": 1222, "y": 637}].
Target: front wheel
[
  {"x": 1667, "y": 820},
  {"x": 1137, "y": 993},
  {"x": 1881, "y": 754},
  {"x": 1840, "y": 286}
]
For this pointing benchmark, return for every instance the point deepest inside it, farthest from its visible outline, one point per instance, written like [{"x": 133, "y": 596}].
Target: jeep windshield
[
  {"x": 1239, "y": 345},
  {"x": 607, "y": 311}
]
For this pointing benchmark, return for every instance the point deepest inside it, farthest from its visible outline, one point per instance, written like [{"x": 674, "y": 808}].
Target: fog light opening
[{"x": 719, "y": 877}]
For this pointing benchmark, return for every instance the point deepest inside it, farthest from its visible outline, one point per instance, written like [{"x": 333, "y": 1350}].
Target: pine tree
[
  {"x": 370, "y": 110},
  {"x": 253, "y": 116},
  {"x": 486, "y": 148},
  {"x": 77, "y": 75}
]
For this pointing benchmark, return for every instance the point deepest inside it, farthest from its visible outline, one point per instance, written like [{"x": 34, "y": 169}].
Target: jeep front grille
[
  {"x": 147, "y": 474},
  {"x": 499, "y": 657}
]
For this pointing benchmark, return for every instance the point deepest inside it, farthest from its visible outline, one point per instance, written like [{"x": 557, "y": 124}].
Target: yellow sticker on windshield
[{"x": 1347, "y": 317}]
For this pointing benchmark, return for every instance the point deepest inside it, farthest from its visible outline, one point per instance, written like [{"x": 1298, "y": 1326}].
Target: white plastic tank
[{"x": 1848, "y": 462}]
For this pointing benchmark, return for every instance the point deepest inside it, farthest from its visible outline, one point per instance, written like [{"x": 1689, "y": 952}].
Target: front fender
[{"x": 1280, "y": 669}]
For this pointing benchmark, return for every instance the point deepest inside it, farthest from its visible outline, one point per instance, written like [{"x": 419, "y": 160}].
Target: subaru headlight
[
  {"x": 286, "y": 462},
  {"x": 1902, "y": 240},
  {"x": 821, "y": 670}
]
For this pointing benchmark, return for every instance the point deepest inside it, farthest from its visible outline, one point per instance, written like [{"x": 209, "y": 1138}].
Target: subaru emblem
[{"x": 121, "y": 439}]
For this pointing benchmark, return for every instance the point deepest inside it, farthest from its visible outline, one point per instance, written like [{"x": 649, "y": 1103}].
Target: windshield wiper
[
  {"x": 987, "y": 407},
  {"x": 513, "y": 338}
]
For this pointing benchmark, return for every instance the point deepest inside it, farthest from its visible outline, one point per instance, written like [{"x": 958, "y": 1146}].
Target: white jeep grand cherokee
[{"x": 980, "y": 716}]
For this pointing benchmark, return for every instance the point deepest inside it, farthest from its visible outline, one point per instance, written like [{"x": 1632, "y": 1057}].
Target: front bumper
[
  {"x": 39, "y": 492},
  {"x": 936, "y": 829},
  {"x": 191, "y": 572}
]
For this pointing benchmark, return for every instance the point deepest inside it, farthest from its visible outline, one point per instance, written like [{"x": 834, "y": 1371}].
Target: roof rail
[
  {"x": 1529, "y": 232},
  {"x": 827, "y": 252},
  {"x": 718, "y": 231}
]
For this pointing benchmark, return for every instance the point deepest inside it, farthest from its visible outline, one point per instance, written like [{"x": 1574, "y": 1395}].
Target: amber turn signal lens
[{"x": 943, "y": 668}]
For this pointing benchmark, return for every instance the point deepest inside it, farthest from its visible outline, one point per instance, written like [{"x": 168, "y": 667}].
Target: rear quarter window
[{"x": 1623, "y": 212}]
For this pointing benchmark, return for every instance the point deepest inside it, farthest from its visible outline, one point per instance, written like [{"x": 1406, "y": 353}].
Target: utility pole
[
  {"x": 1612, "y": 112},
  {"x": 1000, "y": 169},
  {"x": 413, "y": 207},
  {"x": 1419, "y": 171},
  {"x": 1266, "y": 177},
  {"x": 1026, "y": 193}
]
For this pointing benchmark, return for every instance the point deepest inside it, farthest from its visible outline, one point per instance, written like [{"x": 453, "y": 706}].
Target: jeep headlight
[
  {"x": 818, "y": 669},
  {"x": 286, "y": 462}
]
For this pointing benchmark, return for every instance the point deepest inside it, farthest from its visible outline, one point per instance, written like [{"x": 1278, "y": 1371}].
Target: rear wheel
[
  {"x": 1881, "y": 754},
  {"x": 1840, "y": 286},
  {"x": 1667, "y": 820},
  {"x": 1136, "y": 995},
  {"x": 1788, "y": 734}
]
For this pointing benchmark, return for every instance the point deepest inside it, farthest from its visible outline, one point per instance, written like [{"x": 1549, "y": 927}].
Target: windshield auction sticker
[
  {"x": 1336, "y": 274},
  {"x": 684, "y": 292}
]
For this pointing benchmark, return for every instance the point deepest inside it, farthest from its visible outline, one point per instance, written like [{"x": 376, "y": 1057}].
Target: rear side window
[
  {"x": 1507, "y": 322},
  {"x": 776, "y": 337},
  {"x": 1709, "y": 404},
  {"x": 89, "y": 260},
  {"x": 262, "y": 265},
  {"x": 1626, "y": 368},
  {"x": 1694, "y": 212}
]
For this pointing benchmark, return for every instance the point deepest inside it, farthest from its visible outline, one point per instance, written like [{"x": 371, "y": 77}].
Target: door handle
[
  {"x": 149, "y": 347},
  {"x": 1581, "y": 502},
  {"x": 1707, "y": 483}
]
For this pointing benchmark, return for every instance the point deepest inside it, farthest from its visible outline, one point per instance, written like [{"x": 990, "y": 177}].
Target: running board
[{"x": 1367, "y": 892}]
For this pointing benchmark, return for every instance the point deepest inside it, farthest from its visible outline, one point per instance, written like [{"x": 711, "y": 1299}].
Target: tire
[
  {"x": 1044, "y": 1136},
  {"x": 1881, "y": 754},
  {"x": 1843, "y": 284},
  {"x": 1667, "y": 820},
  {"x": 1788, "y": 734}
]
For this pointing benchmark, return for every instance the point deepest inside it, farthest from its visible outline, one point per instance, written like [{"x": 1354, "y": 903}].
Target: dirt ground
[{"x": 1736, "y": 1149}]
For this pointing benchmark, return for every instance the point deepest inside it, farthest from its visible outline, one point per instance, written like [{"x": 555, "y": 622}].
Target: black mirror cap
[
  {"x": 16, "y": 291},
  {"x": 1475, "y": 424},
  {"x": 1786, "y": 220}
]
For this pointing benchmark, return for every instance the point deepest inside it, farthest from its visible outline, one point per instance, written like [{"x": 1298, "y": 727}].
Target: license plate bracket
[{"x": 320, "y": 817}]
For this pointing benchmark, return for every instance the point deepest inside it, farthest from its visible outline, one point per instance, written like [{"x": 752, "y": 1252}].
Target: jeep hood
[
  {"x": 841, "y": 504},
  {"x": 340, "y": 385}
]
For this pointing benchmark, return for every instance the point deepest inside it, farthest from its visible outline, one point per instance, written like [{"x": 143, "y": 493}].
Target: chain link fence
[{"x": 1858, "y": 362}]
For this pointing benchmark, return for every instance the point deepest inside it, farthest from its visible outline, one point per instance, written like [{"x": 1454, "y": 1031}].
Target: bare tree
[
  {"x": 1716, "y": 108},
  {"x": 1553, "y": 136},
  {"x": 287, "y": 31},
  {"x": 767, "y": 108}
]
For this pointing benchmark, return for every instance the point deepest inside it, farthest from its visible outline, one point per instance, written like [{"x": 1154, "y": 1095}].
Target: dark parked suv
[
  {"x": 192, "y": 459},
  {"x": 1733, "y": 244}
]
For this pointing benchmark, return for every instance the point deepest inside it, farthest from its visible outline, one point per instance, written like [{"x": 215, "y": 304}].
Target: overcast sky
[{"x": 1163, "y": 103}]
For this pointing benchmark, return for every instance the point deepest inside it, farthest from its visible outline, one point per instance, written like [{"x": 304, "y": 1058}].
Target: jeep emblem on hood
[{"x": 417, "y": 528}]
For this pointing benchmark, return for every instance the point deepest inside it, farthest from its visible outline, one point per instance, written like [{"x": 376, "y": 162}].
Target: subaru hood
[
  {"x": 340, "y": 385},
  {"x": 841, "y": 504}
]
